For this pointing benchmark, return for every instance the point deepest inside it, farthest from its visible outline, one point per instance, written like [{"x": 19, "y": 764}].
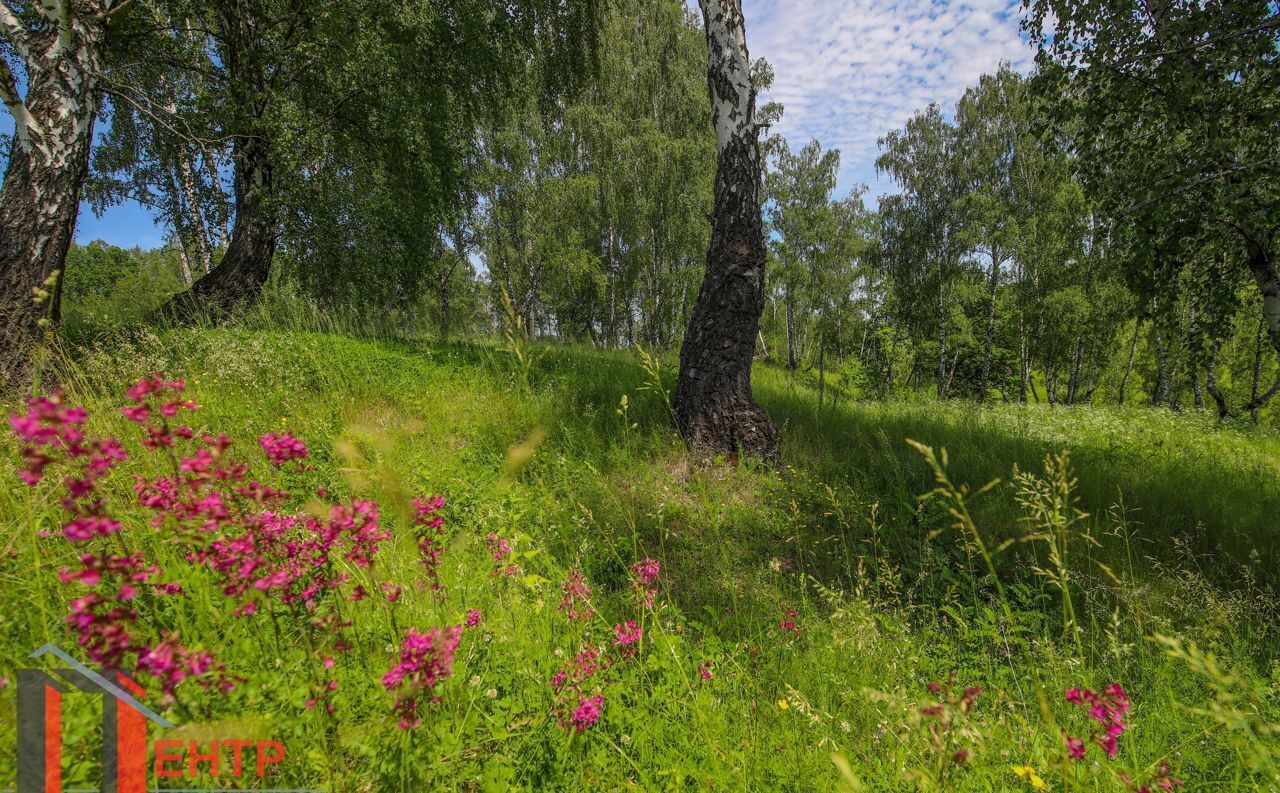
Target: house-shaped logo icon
[{"x": 124, "y": 725}]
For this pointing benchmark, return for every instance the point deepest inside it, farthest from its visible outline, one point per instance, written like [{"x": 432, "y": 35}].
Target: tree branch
[
  {"x": 186, "y": 135},
  {"x": 1132, "y": 208},
  {"x": 14, "y": 30},
  {"x": 23, "y": 122}
]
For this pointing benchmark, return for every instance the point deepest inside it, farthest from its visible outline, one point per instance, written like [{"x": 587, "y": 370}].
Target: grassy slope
[{"x": 887, "y": 596}]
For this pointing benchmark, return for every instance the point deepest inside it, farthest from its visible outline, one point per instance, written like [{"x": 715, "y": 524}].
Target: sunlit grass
[{"x": 889, "y": 595}]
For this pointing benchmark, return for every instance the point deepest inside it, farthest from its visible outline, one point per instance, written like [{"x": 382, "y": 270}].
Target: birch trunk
[
  {"x": 993, "y": 286},
  {"x": 712, "y": 400},
  {"x": 48, "y": 162}
]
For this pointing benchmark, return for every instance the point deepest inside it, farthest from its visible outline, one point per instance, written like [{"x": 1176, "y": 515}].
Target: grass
[{"x": 1165, "y": 586}]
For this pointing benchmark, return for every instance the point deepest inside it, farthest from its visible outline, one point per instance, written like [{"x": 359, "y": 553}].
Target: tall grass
[{"x": 570, "y": 455}]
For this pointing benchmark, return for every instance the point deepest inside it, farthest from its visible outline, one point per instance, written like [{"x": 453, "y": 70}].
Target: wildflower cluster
[
  {"x": 104, "y": 619},
  {"x": 575, "y": 600},
  {"x": 429, "y": 530},
  {"x": 282, "y": 447},
  {"x": 425, "y": 660},
  {"x": 578, "y": 686},
  {"x": 50, "y": 430},
  {"x": 945, "y": 723},
  {"x": 225, "y": 522},
  {"x": 1108, "y": 708},
  {"x": 788, "y": 623},
  {"x": 155, "y": 402},
  {"x": 644, "y": 580},
  {"x": 626, "y": 637},
  {"x": 574, "y": 708},
  {"x": 500, "y": 550}
]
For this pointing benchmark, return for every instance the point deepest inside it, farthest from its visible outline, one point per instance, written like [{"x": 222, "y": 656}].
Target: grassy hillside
[{"x": 816, "y": 625}]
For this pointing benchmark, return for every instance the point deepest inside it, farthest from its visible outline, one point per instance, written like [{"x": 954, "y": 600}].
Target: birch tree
[
  {"x": 58, "y": 45},
  {"x": 712, "y": 401}
]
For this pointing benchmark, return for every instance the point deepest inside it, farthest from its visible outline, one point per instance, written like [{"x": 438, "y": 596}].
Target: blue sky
[{"x": 847, "y": 71}]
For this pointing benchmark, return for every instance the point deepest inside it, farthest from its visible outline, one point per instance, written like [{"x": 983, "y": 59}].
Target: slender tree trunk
[
  {"x": 942, "y": 342},
  {"x": 712, "y": 400},
  {"x": 789, "y": 304},
  {"x": 1161, "y": 394},
  {"x": 993, "y": 286},
  {"x": 1257, "y": 369},
  {"x": 822, "y": 373},
  {"x": 1024, "y": 366},
  {"x": 1128, "y": 369},
  {"x": 48, "y": 162},
  {"x": 199, "y": 230},
  {"x": 1211, "y": 383}
]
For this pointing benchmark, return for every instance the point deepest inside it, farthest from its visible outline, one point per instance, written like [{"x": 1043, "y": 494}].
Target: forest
[{"x": 516, "y": 402}]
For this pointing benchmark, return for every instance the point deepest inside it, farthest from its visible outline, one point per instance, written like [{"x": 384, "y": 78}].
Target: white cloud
[{"x": 847, "y": 71}]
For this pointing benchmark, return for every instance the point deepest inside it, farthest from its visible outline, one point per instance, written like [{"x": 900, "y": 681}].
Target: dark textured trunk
[
  {"x": 238, "y": 279},
  {"x": 246, "y": 264},
  {"x": 993, "y": 285},
  {"x": 48, "y": 162},
  {"x": 712, "y": 400},
  {"x": 1262, "y": 264}
]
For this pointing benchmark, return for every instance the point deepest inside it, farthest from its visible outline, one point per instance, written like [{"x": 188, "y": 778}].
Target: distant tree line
[{"x": 1103, "y": 229}]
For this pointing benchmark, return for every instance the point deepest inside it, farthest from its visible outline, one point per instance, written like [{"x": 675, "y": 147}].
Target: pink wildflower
[
  {"x": 282, "y": 447},
  {"x": 425, "y": 660},
  {"x": 431, "y": 535},
  {"x": 575, "y": 596},
  {"x": 704, "y": 669},
  {"x": 587, "y": 713},
  {"x": 788, "y": 623},
  {"x": 171, "y": 663},
  {"x": 644, "y": 580},
  {"x": 1075, "y": 748},
  {"x": 1108, "y": 709},
  {"x": 473, "y": 618},
  {"x": 627, "y": 637},
  {"x": 500, "y": 550}
]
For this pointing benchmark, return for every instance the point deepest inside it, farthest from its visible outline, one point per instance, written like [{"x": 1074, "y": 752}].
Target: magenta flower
[
  {"x": 473, "y": 618},
  {"x": 1075, "y": 748},
  {"x": 644, "y": 580},
  {"x": 171, "y": 663},
  {"x": 704, "y": 669},
  {"x": 627, "y": 636},
  {"x": 788, "y": 623},
  {"x": 1108, "y": 709},
  {"x": 575, "y": 596},
  {"x": 425, "y": 660},
  {"x": 429, "y": 529},
  {"x": 587, "y": 713},
  {"x": 282, "y": 447}
]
